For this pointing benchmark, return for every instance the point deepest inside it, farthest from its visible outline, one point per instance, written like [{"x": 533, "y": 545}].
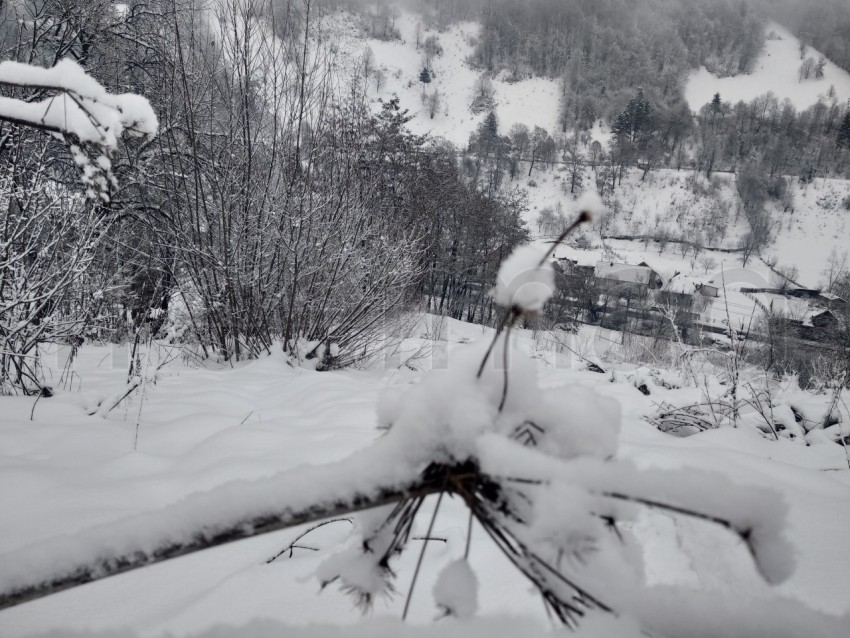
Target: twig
[
  {"x": 421, "y": 556},
  {"x": 35, "y": 403},
  {"x": 289, "y": 548},
  {"x": 505, "y": 364}
]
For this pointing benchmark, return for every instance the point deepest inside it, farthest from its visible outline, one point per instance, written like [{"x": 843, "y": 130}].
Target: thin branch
[
  {"x": 293, "y": 545},
  {"x": 421, "y": 556}
]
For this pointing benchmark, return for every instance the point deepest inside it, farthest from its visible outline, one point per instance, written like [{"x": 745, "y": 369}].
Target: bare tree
[
  {"x": 433, "y": 103},
  {"x": 574, "y": 161}
]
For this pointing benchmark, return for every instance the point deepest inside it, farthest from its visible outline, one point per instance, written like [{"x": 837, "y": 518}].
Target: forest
[{"x": 272, "y": 204}]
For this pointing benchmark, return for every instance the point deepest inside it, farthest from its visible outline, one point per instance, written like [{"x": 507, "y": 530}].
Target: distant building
[
  {"x": 640, "y": 275},
  {"x": 833, "y": 302},
  {"x": 709, "y": 290}
]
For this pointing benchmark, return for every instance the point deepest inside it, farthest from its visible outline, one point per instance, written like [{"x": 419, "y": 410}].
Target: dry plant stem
[
  {"x": 514, "y": 313},
  {"x": 583, "y": 217},
  {"x": 844, "y": 439},
  {"x": 35, "y": 403},
  {"x": 507, "y": 318},
  {"x": 565, "y": 611},
  {"x": 468, "y": 535},
  {"x": 505, "y": 363},
  {"x": 421, "y": 556},
  {"x": 249, "y": 528}
]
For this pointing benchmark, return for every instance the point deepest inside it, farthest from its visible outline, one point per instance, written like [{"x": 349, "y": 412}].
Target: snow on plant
[
  {"x": 456, "y": 590},
  {"x": 526, "y": 280},
  {"x": 81, "y": 112},
  {"x": 538, "y": 471},
  {"x": 591, "y": 203}
]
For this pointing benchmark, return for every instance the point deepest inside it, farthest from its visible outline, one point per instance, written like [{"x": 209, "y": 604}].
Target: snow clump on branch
[
  {"x": 456, "y": 590},
  {"x": 526, "y": 279},
  {"x": 82, "y": 113},
  {"x": 591, "y": 203}
]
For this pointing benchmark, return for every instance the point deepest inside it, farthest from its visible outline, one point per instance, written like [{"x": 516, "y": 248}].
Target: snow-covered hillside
[
  {"x": 777, "y": 70},
  {"x": 673, "y": 203},
  {"x": 679, "y": 205},
  {"x": 198, "y": 429},
  {"x": 533, "y": 102}
]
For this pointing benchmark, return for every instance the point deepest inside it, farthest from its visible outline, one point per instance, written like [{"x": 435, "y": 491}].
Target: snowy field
[
  {"x": 777, "y": 70},
  {"x": 63, "y": 472}
]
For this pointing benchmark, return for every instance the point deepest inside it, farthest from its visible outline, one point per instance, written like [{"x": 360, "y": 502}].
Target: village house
[{"x": 641, "y": 275}]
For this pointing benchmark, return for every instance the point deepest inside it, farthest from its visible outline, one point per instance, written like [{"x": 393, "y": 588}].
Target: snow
[
  {"x": 526, "y": 279},
  {"x": 66, "y": 473},
  {"x": 493, "y": 627},
  {"x": 819, "y": 218},
  {"x": 83, "y": 107},
  {"x": 667, "y": 201},
  {"x": 218, "y": 446},
  {"x": 531, "y": 101},
  {"x": 776, "y": 71},
  {"x": 456, "y": 590},
  {"x": 590, "y": 202},
  {"x": 679, "y": 205}
]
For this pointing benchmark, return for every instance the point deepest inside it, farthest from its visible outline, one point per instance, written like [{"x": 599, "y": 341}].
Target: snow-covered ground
[
  {"x": 533, "y": 102},
  {"x": 64, "y": 472},
  {"x": 777, "y": 70},
  {"x": 680, "y": 205}
]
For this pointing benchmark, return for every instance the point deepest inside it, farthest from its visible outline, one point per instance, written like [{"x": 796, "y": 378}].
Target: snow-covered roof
[
  {"x": 787, "y": 306},
  {"x": 582, "y": 259},
  {"x": 680, "y": 283},
  {"x": 623, "y": 272},
  {"x": 579, "y": 256}
]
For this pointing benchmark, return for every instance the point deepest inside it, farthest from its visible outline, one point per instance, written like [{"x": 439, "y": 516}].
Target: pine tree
[
  {"x": 425, "y": 76},
  {"x": 633, "y": 118},
  {"x": 716, "y": 103},
  {"x": 844, "y": 131},
  {"x": 492, "y": 124}
]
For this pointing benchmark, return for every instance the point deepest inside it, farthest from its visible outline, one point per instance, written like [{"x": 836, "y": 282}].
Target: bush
[{"x": 777, "y": 188}]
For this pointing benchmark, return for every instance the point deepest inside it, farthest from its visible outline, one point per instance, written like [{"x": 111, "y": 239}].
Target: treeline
[
  {"x": 272, "y": 206},
  {"x": 604, "y": 50},
  {"x": 814, "y": 142}
]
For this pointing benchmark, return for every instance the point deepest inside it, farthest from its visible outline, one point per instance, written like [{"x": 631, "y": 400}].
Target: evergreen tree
[
  {"x": 425, "y": 76},
  {"x": 844, "y": 131},
  {"x": 633, "y": 118},
  {"x": 492, "y": 124},
  {"x": 716, "y": 103}
]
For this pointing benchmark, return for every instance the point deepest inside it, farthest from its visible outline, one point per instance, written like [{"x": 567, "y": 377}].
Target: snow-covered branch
[
  {"x": 232, "y": 512},
  {"x": 81, "y": 108},
  {"x": 81, "y": 111}
]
